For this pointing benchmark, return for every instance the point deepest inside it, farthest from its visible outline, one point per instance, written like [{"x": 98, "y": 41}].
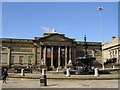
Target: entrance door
[
  {"x": 62, "y": 56},
  {"x": 48, "y": 56},
  {"x": 55, "y": 56}
]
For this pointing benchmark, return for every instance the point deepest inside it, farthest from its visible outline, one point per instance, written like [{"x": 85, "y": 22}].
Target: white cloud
[{"x": 45, "y": 29}]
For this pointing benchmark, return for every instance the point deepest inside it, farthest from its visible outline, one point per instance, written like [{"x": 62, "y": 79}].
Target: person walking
[{"x": 4, "y": 75}]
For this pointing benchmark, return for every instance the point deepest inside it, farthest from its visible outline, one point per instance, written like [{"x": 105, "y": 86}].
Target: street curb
[{"x": 70, "y": 78}]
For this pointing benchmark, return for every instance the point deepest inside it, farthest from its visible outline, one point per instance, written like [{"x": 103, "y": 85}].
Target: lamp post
[{"x": 101, "y": 29}]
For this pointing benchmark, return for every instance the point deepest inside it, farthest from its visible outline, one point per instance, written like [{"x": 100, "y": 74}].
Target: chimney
[
  {"x": 113, "y": 37},
  {"x": 35, "y": 38}
]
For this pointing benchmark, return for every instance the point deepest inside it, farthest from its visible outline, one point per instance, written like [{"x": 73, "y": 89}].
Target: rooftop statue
[{"x": 54, "y": 30}]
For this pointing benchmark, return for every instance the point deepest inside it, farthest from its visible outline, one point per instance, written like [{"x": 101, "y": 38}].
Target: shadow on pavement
[{"x": 53, "y": 85}]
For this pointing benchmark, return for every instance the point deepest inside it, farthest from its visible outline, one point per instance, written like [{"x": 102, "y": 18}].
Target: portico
[
  {"x": 55, "y": 56},
  {"x": 55, "y": 49}
]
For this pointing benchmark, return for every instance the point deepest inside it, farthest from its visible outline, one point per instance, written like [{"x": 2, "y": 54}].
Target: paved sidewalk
[
  {"x": 55, "y": 80},
  {"x": 34, "y": 83}
]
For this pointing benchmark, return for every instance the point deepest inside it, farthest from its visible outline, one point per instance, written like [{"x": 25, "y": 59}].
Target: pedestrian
[{"x": 4, "y": 75}]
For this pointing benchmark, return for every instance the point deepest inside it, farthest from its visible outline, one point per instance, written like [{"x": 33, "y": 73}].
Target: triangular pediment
[{"x": 56, "y": 37}]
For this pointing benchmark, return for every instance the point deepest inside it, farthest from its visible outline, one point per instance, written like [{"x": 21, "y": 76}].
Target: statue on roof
[{"x": 54, "y": 30}]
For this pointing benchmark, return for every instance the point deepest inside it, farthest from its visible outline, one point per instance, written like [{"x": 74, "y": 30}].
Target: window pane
[
  {"x": 21, "y": 59},
  {"x": 12, "y": 60},
  {"x": 30, "y": 59}
]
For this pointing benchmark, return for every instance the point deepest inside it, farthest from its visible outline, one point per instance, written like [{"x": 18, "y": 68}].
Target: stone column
[
  {"x": 35, "y": 55},
  {"x": 66, "y": 55},
  {"x": 109, "y": 54},
  {"x": 93, "y": 53},
  {"x": 112, "y": 54},
  {"x": 52, "y": 56},
  {"x": 44, "y": 55},
  {"x": 117, "y": 55},
  {"x": 58, "y": 56},
  {"x": 70, "y": 53},
  {"x": 9, "y": 56},
  {"x": 74, "y": 53},
  {"x": 40, "y": 54}
]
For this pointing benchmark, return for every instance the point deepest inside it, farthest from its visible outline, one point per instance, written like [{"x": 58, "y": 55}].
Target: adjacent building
[
  {"x": 111, "y": 50},
  {"x": 52, "y": 49}
]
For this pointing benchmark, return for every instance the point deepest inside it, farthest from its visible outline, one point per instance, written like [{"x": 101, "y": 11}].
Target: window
[
  {"x": 110, "y": 54},
  {"x": 12, "y": 60},
  {"x": 21, "y": 59},
  {"x": 3, "y": 49},
  {"x": 29, "y": 59},
  {"x": 119, "y": 52}
]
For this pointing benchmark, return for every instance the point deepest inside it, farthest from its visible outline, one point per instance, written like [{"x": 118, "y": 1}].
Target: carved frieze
[
  {"x": 56, "y": 43},
  {"x": 22, "y": 50}
]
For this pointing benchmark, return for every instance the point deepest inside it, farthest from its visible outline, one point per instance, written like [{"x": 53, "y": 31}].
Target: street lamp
[{"x": 101, "y": 29}]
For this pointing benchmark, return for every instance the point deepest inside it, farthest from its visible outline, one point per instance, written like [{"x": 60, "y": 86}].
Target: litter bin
[{"x": 43, "y": 78}]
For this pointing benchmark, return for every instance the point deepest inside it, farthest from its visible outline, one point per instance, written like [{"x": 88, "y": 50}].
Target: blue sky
[{"x": 26, "y": 20}]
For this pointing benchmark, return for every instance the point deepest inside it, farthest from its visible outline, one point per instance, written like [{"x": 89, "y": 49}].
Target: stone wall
[
  {"x": 16, "y": 48},
  {"x": 34, "y": 48}
]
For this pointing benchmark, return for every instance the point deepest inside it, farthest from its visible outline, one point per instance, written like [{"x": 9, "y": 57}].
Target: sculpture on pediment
[{"x": 54, "y": 30}]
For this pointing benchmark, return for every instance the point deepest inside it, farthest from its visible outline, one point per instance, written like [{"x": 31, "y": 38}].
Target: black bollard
[{"x": 43, "y": 78}]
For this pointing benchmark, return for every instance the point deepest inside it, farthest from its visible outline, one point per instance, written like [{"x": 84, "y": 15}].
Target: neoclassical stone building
[
  {"x": 52, "y": 49},
  {"x": 111, "y": 49}
]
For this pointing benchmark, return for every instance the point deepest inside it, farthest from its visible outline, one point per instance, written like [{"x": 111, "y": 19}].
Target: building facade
[
  {"x": 111, "y": 50},
  {"x": 53, "y": 49}
]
